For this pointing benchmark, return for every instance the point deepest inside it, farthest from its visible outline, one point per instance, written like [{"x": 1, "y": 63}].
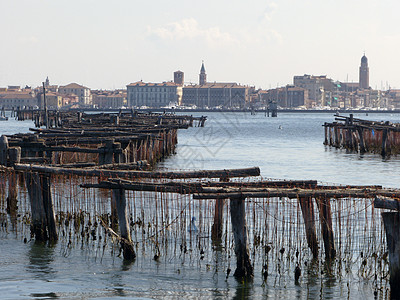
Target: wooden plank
[{"x": 141, "y": 174}]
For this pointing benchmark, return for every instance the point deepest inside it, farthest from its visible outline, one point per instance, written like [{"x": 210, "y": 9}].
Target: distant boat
[{"x": 2, "y": 118}]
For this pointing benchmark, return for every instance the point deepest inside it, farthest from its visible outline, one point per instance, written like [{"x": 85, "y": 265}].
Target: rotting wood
[
  {"x": 391, "y": 222},
  {"x": 244, "y": 268},
  {"x": 325, "y": 217},
  {"x": 126, "y": 243},
  {"x": 307, "y": 209},
  {"x": 140, "y": 174}
]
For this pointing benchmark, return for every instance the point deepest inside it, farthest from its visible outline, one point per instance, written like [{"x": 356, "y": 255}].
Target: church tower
[
  {"x": 364, "y": 73},
  {"x": 203, "y": 75}
]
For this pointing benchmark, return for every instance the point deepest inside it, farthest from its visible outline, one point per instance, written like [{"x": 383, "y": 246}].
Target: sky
[{"x": 262, "y": 43}]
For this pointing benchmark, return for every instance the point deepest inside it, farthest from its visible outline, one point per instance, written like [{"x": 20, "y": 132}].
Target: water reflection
[
  {"x": 41, "y": 256},
  {"x": 244, "y": 290}
]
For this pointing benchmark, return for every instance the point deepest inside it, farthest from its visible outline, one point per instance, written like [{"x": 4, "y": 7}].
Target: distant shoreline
[
  {"x": 341, "y": 111},
  {"x": 160, "y": 110}
]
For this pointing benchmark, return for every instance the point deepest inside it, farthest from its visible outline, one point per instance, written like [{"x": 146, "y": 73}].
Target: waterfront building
[
  {"x": 17, "y": 98},
  {"x": 154, "y": 94},
  {"x": 217, "y": 94},
  {"x": 53, "y": 100},
  {"x": 316, "y": 86},
  {"x": 109, "y": 99},
  {"x": 364, "y": 73},
  {"x": 81, "y": 91},
  {"x": 288, "y": 96}
]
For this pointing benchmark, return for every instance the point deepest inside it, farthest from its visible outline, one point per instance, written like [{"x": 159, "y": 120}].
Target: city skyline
[{"x": 264, "y": 44}]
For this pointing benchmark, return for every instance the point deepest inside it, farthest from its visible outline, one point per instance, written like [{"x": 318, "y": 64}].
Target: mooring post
[
  {"x": 126, "y": 242},
  {"x": 14, "y": 154},
  {"x": 384, "y": 141},
  {"x": 391, "y": 221},
  {"x": 49, "y": 208},
  {"x": 325, "y": 216},
  {"x": 326, "y": 133},
  {"x": 216, "y": 230},
  {"x": 307, "y": 208},
  {"x": 3, "y": 150},
  {"x": 361, "y": 137},
  {"x": 244, "y": 269},
  {"x": 38, "y": 222}
]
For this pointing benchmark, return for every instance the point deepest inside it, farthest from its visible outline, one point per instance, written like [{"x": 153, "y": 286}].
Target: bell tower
[
  {"x": 203, "y": 75},
  {"x": 364, "y": 73}
]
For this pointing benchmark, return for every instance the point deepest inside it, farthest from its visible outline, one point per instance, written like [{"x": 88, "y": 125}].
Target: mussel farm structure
[
  {"x": 363, "y": 135},
  {"x": 88, "y": 180}
]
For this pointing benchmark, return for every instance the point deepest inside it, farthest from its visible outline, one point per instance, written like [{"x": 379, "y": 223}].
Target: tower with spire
[
  {"x": 364, "y": 73},
  {"x": 203, "y": 75}
]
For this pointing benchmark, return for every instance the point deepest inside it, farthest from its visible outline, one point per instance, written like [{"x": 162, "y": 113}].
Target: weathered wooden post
[
  {"x": 307, "y": 209},
  {"x": 336, "y": 132},
  {"x": 324, "y": 207},
  {"x": 3, "y": 150},
  {"x": 384, "y": 142},
  {"x": 216, "y": 230},
  {"x": 14, "y": 154},
  {"x": 38, "y": 222},
  {"x": 49, "y": 208},
  {"x": 361, "y": 137},
  {"x": 106, "y": 157},
  {"x": 391, "y": 221},
  {"x": 244, "y": 269},
  {"x": 120, "y": 155},
  {"x": 126, "y": 242}
]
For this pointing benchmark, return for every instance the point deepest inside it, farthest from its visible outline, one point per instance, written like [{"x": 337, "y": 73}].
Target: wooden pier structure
[
  {"x": 363, "y": 135},
  {"x": 108, "y": 156}
]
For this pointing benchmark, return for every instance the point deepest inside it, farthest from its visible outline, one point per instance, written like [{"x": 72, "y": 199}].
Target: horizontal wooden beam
[{"x": 228, "y": 173}]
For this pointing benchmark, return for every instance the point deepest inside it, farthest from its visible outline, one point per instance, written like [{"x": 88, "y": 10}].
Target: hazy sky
[{"x": 109, "y": 44}]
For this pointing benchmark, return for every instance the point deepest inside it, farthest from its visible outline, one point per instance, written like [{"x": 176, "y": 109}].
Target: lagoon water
[{"x": 287, "y": 147}]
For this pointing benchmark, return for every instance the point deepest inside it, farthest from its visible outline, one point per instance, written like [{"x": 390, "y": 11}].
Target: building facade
[
  {"x": 209, "y": 95},
  {"x": 18, "y": 99},
  {"x": 81, "y": 91},
  {"x": 109, "y": 99},
  {"x": 154, "y": 94},
  {"x": 316, "y": 86}
]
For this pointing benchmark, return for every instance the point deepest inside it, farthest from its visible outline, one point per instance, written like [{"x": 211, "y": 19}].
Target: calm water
[{"x": 287, "y": 147}]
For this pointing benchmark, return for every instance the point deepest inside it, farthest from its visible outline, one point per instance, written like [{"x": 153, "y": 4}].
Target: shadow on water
[{"x": 40, "y": 256}]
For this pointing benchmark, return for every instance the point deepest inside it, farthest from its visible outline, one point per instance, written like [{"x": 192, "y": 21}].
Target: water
[{"x": 287, "y": 147}]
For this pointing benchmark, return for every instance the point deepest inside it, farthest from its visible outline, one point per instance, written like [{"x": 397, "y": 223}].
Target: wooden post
[
  {"x": 326, "y": 134},
  {"x": 126, "y": 242},
  {"x": 216, "y": 230},
  {"x": 335, "y": 129},
  {"x": 324, "y": 206},
  {"x": 3, "y": 150},
  {"x": 15, "y": 157},
  {"x": 360, "y": 135},
  {"x": 307, "y": 209},
  {"x": 384, "y": 140},
  {"x": 244, "y": 269},
  {"x": 391, "y": 221},
  {"x": 38, "y": 222},
  {"x": 49, "y": 208}
]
